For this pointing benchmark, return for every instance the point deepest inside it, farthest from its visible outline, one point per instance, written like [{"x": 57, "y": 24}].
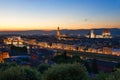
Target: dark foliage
[{"x": 66, "y": 72}]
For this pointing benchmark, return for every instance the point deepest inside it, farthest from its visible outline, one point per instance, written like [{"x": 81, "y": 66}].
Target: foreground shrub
[
  {"x": 43, "y": 67},
  {"x": 115, "y": 75},
  {"x": 20, "y": 73},
  {"x": 65, "y": 72},
  {"x": 4, "y": 66},
  {"x": 109, "y": 76},
  {"x": 102, "y": 76}
]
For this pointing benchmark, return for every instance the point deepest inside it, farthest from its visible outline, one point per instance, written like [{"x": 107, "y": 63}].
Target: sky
[{"x": 67, "y": 14}]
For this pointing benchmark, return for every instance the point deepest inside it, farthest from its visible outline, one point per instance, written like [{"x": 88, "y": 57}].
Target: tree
[
  {"x": 43, "y": 67},
  {"x": 109, "y": 76},
  {"x": 67, "y": 59},
  {"x": 76, "y": 58},
  {"x": 114, "y": 76},
  {"x": 118, "y": 65},
  {"x": 86, "y": 64},
  {"x": 94, "y": 66},
  {"x": 4, "y": 66},
  {"x": 20, "y": 73},
  {"x": 19, "y": 49},
  {"x": 101, "y": 76},
  {"x": 65, "y": 72},
  {"x": 62, "y": 58},
  {"x": 65, "y": 53}
]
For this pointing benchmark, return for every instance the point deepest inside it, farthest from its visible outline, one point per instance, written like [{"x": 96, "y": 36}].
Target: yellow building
[
  {"x": 107, "y": 50},
  {"x": 33, "y": 42},
  {"x": 3, "y": 55},
  {"x": 13, "y": 41}
]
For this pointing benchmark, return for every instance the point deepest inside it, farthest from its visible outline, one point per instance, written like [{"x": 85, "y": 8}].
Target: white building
[{"x": 106, "y": 34}]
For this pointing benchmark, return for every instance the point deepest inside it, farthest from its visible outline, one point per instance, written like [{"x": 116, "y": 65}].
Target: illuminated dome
[{"x": 106, "y": 33}]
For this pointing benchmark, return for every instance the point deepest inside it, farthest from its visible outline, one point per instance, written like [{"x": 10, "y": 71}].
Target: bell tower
[
  {"x": 58, "y": 33},
  {"x": 92, "y": 35}
]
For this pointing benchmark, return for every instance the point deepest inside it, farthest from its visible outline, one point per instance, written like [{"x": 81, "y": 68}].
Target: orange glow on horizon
[
  {"x": 72, "y": 26},
  {"x": 54, "y": 28}
]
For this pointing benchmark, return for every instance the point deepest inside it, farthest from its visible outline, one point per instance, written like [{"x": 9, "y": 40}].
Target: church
[{"x": 105, "y": 34}]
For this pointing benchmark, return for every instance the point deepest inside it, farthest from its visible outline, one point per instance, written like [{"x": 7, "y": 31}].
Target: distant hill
[{"x": 114, "y": 32}]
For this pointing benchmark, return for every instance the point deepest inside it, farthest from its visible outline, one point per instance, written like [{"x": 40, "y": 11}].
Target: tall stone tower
[
  {"x": 92, "y": 35},
  {"x": 58, "y": 33}
]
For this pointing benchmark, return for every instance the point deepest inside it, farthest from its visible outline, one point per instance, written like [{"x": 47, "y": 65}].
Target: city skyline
[{"x": 49, "y": 14}]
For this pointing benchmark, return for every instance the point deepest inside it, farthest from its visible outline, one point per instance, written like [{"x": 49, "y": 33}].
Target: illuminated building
[
  {"x": 3, "y": 55},
  {"x": 92, "y": 35},
  {"x": 116, "y": 52},
  {"x": 43, "y": 44},
  {"x": 58, "y": 33},
  {"x": 17, "y": 41},
  {"x": 107, "y": 50},
  {"x": 106, "y": 34},
  {"x": 32, "y": 42}
]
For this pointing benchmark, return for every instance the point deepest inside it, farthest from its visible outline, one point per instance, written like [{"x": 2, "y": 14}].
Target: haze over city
[{"x": 49, "y": 14}]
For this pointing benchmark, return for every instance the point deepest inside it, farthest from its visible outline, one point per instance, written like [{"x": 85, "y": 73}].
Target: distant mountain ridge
[{"x": 114, "y": 32}]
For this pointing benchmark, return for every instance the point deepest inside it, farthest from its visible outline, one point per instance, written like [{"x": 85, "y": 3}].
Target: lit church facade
[{"x": 106, "y": 34}]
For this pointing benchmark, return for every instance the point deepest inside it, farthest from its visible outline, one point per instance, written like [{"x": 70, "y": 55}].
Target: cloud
[{"x": 86, "y": 19}]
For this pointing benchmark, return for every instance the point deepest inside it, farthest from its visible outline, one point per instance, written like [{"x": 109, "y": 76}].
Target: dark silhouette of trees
[
  {"x": 43, "y": 67},
  {"x": 20, "y": 73},
  {"x": 102, "y": 76},
  {"x": 114, "y": 76},
  {"x": 19, "y": 49},
  {"x": 86, "y": 64},
  {"x": 66, "y": 72},
  {"x": 118, "y": 65},
  {"x": 12, "y": 71},
  {"x": 94, "y": 66},
  {"x": 4, "y": 66}
]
